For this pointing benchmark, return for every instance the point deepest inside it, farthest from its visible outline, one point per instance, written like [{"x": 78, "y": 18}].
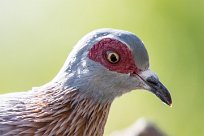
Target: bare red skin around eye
[{"x": 126, "y": 64}]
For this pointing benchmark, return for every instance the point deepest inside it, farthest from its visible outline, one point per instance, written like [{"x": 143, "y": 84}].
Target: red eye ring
[{"x": 102, "y": 49}]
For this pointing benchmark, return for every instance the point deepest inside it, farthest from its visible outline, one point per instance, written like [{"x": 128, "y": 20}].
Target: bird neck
[{"x": 68, "y": 112}]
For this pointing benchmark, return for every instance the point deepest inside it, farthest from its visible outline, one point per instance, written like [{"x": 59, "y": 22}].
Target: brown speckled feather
[{"x": 66, "y": 112}]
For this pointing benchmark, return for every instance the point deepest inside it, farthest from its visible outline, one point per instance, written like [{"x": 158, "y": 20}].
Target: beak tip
[
  {"x": 169, "y": 102},
  {"x": 165, "y": 97}
]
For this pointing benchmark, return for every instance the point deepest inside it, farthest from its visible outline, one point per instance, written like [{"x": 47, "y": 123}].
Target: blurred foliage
[{"x": 37, "y": 35}]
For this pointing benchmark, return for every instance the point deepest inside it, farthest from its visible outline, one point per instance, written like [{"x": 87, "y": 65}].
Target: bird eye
[{"x": 112, "y": 57}]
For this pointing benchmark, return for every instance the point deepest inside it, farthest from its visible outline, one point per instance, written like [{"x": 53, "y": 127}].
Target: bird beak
[{"x": 155, "y": 86}]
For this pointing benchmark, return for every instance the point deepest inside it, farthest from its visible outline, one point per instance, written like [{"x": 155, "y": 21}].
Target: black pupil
[{"x": 113, "y": 58}]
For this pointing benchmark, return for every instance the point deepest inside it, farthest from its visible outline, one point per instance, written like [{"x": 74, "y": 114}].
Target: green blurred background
[{"x": 37, "y": 35}]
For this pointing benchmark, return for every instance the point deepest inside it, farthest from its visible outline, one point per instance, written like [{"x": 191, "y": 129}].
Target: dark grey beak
[{"x": 159, "y": 90}]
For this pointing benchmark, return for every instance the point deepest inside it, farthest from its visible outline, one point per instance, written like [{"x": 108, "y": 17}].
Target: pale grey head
[{"x": 92, "y": 77}]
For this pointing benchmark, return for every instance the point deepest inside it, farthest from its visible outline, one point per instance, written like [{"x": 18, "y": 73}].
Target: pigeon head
[{"x": 107, "y": 63}]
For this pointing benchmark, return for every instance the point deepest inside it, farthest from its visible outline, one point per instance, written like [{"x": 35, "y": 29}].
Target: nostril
[{"x": 152, "y": 81}]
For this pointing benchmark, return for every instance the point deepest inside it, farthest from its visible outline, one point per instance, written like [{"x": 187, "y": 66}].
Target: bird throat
[{"x": 62, "y": 113}]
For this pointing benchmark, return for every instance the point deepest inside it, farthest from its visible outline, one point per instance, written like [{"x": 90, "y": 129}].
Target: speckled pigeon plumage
[{"x": 103, "y": 65}]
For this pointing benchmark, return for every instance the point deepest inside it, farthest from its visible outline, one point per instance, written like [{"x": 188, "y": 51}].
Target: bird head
[{"x": 107, "y": 63}]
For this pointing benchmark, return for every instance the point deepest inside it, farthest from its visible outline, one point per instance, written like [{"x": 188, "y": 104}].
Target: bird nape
[{"x": 104, "y": 64}]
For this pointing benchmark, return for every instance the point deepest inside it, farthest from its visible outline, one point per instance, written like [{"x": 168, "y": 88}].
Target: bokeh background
[{"x": 37, "y": 35}]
